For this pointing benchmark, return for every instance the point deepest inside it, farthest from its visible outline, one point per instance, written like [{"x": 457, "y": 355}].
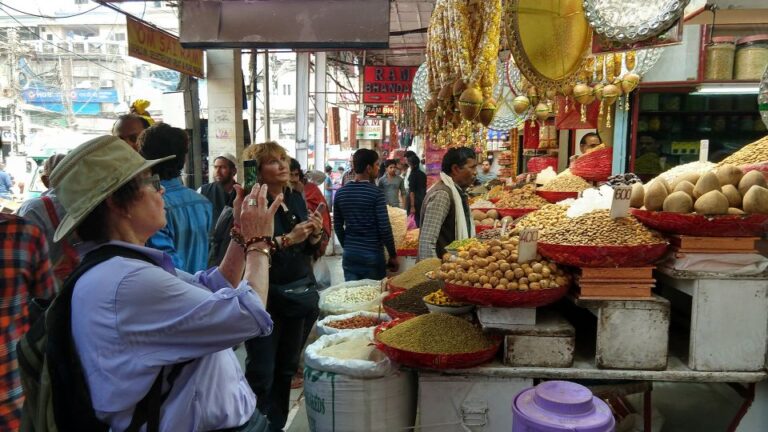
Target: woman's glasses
[{"x": 154, "y": 181}]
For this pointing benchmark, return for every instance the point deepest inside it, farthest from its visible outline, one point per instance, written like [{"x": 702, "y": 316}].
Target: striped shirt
[
  {"x": 26, "y": 275},
  {"x": 360, "y": 219}
]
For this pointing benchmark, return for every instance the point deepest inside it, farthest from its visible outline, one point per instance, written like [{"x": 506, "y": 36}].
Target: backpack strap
[
  {"x": 51, "y": 210},
  {"x": 66, "y": 370}
]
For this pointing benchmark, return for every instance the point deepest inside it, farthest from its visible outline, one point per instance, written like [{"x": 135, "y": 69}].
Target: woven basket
[
  {"x": 603, "y": 256},
  {"x": 754, "y": 225},
  {"x": 514, "y": 212},
  {"x": 594, "y": 166},
  {"x": 504, "y": 298},
  {"x": 434, "y": 361}
]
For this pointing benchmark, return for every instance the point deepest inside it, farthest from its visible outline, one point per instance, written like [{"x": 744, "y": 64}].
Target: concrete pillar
[
  {"x": 302, "y": 107},
  {"x": 320, "y": 110},
  {"x": 225, "y": 105}
]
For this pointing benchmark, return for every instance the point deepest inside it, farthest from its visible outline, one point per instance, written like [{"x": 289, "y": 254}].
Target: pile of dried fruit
[
  {"x": 493, "y": 265},
  {"x": 412, "y": 300},
  {"x": 755, "y": 152},
  {"x": 436, "y": 333},
  {"x": 439, "y": 298},
  {"x": 353, "y": 295},
  {"x": 524, "y": 197},
  {"x": 459, "y": 245},
  {"x": 544, "y": 219},
  {"x": 597, "y": 228},
  {"x": 566, "y": 183},
  {"x": 354, "y": 322},
  {"x": 411, "y": 239},
  {"x": 416, "y": 274}
]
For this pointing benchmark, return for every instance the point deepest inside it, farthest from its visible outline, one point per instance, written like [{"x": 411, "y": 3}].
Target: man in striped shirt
[{"x": 361, "y": 222}]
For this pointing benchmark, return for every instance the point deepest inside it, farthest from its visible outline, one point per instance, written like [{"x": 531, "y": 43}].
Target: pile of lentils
[
  {"x": 627, "y": 179},
  {"x": 436, "y": 333},
  {"x": 412, "y": 300},
  {"x": 416, "y": 274}
]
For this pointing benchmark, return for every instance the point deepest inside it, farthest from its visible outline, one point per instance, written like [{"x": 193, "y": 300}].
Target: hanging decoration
[
  {"x": 630, "y": 21},
  {"x": 420, "y": 87}
]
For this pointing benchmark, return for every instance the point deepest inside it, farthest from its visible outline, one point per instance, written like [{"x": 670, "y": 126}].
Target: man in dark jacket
[{"x": 221, "y": 192}]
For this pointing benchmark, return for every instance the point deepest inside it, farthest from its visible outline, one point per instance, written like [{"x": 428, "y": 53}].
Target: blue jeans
[{"x": 359, "y": 266}]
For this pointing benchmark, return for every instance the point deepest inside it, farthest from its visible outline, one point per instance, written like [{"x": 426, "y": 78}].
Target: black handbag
[{"x": 296, "y": 299}]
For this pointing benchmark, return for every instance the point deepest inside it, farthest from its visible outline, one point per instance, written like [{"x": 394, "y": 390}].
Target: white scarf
[{"x": 461, "y": 219}]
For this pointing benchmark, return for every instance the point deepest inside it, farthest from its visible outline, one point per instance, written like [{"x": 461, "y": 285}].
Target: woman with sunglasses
[
  {"x": 135, "y": 320},
  {"x": 273, "y": 360}
]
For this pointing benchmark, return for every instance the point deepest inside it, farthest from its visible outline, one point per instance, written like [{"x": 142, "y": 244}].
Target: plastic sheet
[
  {"x": 603, "y": 256},
  {"x": 504, "y": 298},
  {"x": 704, "y": 226},
  {"x": 355, "y": 368},
  {"x": 555, "y": 197},
  {"x": 594, "y": 166},
  {"x": 434, "y": 361}
]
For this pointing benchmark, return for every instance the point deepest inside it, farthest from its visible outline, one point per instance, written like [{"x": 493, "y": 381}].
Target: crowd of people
[{"x": 135, "y": 288}]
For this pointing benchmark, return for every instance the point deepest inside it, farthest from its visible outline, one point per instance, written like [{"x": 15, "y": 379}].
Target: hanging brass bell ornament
[
  {"x": 550, "y": 94},
  {"x": 444, "y": 97},
  {"x": 598, "y": 91},
  {"x": 458, "y": 88},
  {"x": 630, "y": 82},
  {"x": 610, "y": 94},
  {"x": 533, "y": 95},
  {"x": 470, "y": 103},
  {"x": 566, "y": 90},
  {"x": 583, "y": 94},
  {"x": 520, "y": 104},
  {"x": 487, "y": 112},
  {"x": 542, "y": 111}
]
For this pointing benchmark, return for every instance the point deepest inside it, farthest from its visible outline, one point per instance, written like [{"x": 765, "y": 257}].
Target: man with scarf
[{"x": 445, "y": 214}]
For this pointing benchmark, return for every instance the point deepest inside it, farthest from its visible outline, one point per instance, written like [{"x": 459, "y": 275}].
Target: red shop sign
[{"x": 386, "y": 84}]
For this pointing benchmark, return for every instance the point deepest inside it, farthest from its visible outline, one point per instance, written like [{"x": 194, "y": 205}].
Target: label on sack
[
  {"x": 526, "y": 249},
  {"x": 620, "y": 203}
]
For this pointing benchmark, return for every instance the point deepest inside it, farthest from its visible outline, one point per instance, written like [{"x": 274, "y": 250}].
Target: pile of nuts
[
  {"x": 544, "y": 219},
  {"x": 524, "y": 197},
  {"x": 493, "y": 233},
  {"x": 411, "y": 240},
  {"x": 566, "y": 183},
  {"x": 493, "y": 265},
  {"x": 749, "y": 154},
  {"x": 480, "y": 203},
  {"x": 626, "y": 179},
  {"x": 354, "y": 322},
  {"x": 461, "y": 245},
  {"x": 439, "y": 298},
  {"x": 354, "y": 295},
  {"x": 597, "y": 228}
]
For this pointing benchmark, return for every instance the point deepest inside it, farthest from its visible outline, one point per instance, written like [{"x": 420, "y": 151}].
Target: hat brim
[{"x": 69, "y": 223}]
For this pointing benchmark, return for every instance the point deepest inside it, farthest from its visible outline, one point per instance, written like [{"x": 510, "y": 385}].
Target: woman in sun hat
[{"x": 132, "y": 318}]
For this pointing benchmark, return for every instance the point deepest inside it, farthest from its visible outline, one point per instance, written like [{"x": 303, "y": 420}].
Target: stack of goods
[
  {"x": 566, "y": 183},
  {"x": 399, "y": 221},
  {"x": 409, "y": 303},
  {"x": 597, "y": 228},
  {"x": 508, "y": 163},
  {"x": 493, "y": 265},
  {"x": 543, "y": 219},
  {"x": 414, "y": 275},
  {"x": 521, "y": 198},
  {"x": 485, "y": 218},
  {"x": 751, "y": 154},
  {"x": 724, "y": 191},
  {"x": 410, "y": 245},
  {"x": 436, "y": 341}
]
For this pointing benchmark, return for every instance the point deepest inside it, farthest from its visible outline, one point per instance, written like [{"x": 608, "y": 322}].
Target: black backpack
[{"x": 56, "y": 392}]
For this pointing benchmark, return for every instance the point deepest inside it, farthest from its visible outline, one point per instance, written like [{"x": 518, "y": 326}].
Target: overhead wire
[{"x": 49, "y": 16}]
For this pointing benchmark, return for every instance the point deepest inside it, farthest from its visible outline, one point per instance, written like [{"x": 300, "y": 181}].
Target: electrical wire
[
  {"x": 66, "y": 50},
  {"x": 48, "y": 16}
]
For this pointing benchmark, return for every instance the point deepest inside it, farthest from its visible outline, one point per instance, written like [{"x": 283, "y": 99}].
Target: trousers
[{"x": 359, "y": 266}]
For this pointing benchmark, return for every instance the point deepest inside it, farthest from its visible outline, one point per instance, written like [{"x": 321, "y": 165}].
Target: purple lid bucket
[{"x": 560, "y": 406}]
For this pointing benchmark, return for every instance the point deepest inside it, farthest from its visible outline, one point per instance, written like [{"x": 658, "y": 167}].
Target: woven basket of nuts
[
  {"x": 753, "y": 225},
  {"x": 505, "y": 298}
]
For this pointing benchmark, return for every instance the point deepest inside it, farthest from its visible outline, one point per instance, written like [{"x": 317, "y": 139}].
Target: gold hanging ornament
[
  {"x": 487, "y": 112},
  {"x": 611, "y": 93},
  {"x": 584, "y": 95},
  {"x": 542, "y": 112},
  {"x": 521, "y": 104}
]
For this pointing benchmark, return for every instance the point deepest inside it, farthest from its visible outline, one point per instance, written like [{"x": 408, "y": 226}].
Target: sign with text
[
  {"x": 368, "y": 128},
  {"x": 620, "y": 203},
  {"x": 379, "y": 111},
  {"x": 163, "y": 49},
  {"x": 386, "y": 84},
  {"x": 526, "y": 249}
]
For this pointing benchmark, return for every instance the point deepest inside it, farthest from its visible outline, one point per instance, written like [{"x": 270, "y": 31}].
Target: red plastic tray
[
  {"x": 504, "y": 298},
  {"x": 494, "y": 200},
  {"x": 603, "y": 256},
  {"x": 407, "y": 252},
  {"x": 515, "y": 212},
  {"x": 754, "y": 225},
  {"x": 481, "y": 228},
  {"x": 393, "y": 288},
  {"x": 394, "y": 313},
  {"x": 434, "y": 361},
  {"x": 554, "y": 197}
]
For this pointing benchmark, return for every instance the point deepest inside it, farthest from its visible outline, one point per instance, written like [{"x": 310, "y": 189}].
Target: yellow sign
[{"x": 160, "y": 48}]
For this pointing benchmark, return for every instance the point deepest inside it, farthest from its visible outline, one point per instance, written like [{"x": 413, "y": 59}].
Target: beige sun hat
[{"x": 90, "y": 173}]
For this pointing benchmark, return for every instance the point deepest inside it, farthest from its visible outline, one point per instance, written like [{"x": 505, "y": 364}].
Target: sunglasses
[{"x": 154, "y": 181}]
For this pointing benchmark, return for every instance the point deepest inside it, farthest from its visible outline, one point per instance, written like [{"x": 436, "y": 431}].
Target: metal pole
[
  {"x": 268, "y": 90},
  {"x": 192, "y": 120},
  {"x": 302, "y": 107},
  {"x": 320, "y": 109},
  {"x": 254, "y": 71}
]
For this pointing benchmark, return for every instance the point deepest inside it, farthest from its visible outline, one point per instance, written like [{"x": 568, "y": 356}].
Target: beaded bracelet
[{"x": 265, "y": 239}]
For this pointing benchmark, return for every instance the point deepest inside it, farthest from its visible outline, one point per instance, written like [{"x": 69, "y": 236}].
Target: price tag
[
  {"x": 526, "y": 249},
  {"x": 620, "y": 203},
  {"x": 504, "y": 227},
  {"x": 704, "y": 151}
]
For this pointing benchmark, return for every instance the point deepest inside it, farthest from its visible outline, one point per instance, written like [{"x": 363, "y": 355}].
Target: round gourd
[
  {"x": 735, "y": 211},
  {"x": 685, "y": 186},
  {"x": 711, "y": 203},
  {"x": 478, "y": 214},
  {"x": 638, "y": 195},
  {"x": 733, "y": 195},
  {"x": 756, "y": 200},
  {"x": 752, "y": 178},
  {"x": 655, "y": 196},
  {"x": 729, "y": 175},
  {"x": 493, "y": 214},
  {"x": 707, "y": 183},
  {"x": 678, "y": 202}
]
